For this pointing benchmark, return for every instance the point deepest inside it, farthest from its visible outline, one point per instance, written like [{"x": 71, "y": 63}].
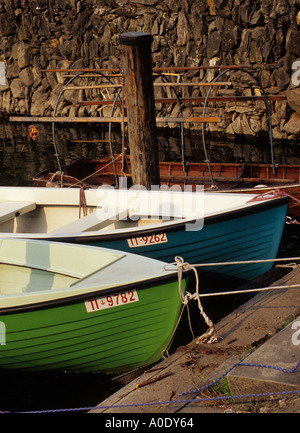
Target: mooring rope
[
  {"x": 82, "y": 202},
  {"x": 210, "y": 335},
  {"x": 96, "y": 172},
  {"x": 187, "y": 266},
  {"x": 290, "y": 220}
]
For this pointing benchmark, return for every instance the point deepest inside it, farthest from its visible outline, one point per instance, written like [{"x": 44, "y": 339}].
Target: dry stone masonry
[{"x": 36, "y": 35}]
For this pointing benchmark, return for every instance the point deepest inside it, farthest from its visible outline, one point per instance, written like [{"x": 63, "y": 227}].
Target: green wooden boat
[{"x": 80, "y": 309}]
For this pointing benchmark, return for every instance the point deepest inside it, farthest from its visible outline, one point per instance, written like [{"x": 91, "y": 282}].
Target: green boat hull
[{"x": 66, "y": 337}]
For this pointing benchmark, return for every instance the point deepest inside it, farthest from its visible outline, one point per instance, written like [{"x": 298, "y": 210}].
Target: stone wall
[{"x": 39, "y": 35}]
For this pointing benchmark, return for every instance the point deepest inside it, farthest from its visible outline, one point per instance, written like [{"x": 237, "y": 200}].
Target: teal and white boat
[
  {"x": 201, "y": 228},
  {"x": 79, "y": 309}
]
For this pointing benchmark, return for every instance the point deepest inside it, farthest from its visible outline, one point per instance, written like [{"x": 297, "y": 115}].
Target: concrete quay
[
  {"x": 265, "y": 330},
  {"x": 282, "y": 351}
]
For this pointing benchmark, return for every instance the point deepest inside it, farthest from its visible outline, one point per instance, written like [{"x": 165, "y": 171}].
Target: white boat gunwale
[
  {"x": 56, "y": 196},
  {"x": 169, "y": 226},
  {"x": 88, "y": 296}
]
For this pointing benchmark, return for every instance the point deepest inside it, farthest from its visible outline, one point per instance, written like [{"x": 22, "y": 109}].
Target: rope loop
[
  {"x": 290, "y": 220},
  {"x": 210, "y": 335}
]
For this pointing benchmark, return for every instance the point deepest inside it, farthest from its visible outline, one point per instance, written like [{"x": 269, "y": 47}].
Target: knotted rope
[
  {"x": 210, "y": 335},
  {"x": 182, "y": 266}
]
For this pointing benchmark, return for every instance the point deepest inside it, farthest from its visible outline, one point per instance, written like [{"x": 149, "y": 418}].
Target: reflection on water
[{"x": 21, "y": 158}]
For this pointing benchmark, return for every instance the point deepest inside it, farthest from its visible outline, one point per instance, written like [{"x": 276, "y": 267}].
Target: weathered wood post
[{"x": 139, "y": 94}]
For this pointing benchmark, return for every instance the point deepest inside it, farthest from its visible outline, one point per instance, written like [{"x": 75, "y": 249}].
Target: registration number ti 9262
[{"x": 142, "y": 241}]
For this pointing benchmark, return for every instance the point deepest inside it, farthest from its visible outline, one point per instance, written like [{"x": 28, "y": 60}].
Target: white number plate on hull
[
  {"x": 147, "y": 240},
  {"x": 111, "y": 301}
]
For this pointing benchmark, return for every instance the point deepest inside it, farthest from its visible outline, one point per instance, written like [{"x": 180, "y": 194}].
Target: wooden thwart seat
[
  {"x": 90, "y": 222},
  {"x": 12, "y": 209}
]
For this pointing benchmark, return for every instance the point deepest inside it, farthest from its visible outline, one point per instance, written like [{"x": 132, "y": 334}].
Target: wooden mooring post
[{"x": 139, "y": 95}]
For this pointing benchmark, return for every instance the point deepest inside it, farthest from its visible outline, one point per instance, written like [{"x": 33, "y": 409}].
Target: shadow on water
[
  {"x": 38, "y": 391},
  {"x": 21, "y": 158}
]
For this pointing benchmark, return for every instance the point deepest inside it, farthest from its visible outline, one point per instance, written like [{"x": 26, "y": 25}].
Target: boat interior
[
  {"x": 28, "y": 265},
  {"x": 65, "y": 219},
  {"x": 57, "y": 217},
  {"x": 16, "y": 279}
]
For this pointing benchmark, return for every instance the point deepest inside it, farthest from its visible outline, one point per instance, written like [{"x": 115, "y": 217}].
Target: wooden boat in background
[
  {"x": 227, "y": 177},
  {"x": 83, "y": 309},
  {"x": 201, "y": 228}
]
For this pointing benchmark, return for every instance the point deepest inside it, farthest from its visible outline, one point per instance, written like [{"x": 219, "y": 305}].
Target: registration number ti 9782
[{"x": 114, "y": 300}]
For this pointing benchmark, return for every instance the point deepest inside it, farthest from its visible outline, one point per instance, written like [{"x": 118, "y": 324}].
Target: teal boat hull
[{"x": 248, "y": 234}]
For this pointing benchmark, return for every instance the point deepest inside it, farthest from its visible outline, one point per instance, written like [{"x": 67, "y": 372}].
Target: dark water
[{"x": 21, "y": 158}]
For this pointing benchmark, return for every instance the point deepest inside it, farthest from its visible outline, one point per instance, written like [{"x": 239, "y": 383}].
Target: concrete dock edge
[{"x": 255, "y": 332}]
